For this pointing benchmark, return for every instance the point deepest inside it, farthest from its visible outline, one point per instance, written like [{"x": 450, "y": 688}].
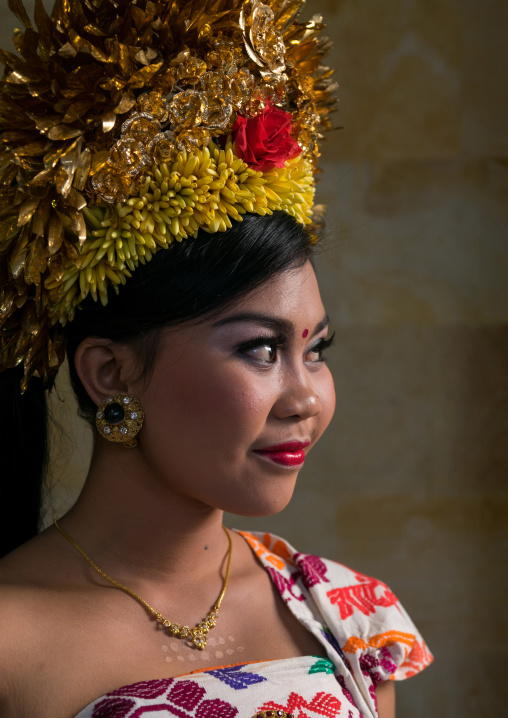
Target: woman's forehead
[
  {"x": 288, "y": 302},
  {"x": 293, "y": 290}
]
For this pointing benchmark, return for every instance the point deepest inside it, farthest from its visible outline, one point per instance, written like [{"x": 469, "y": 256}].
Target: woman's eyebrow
[{"x": 275, "y": 323}]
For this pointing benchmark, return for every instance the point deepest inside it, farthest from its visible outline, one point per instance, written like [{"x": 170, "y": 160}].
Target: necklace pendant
[
  {"x": 211, "y": 619},
  {"x": 199, "y": 639},
  {"x": 202, "y": 627},
  {"x": 197, "y": 636},
  {"x": 179, "y": 631}
]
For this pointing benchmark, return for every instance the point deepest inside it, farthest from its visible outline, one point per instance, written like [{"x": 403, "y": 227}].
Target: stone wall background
[{"x": 409, "y": 483}]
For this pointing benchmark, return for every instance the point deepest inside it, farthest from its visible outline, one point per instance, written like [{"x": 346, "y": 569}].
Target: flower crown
[{"x": 126, "y": 125}]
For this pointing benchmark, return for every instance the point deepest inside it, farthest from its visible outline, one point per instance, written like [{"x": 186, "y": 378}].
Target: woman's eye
[
  {"x": 316, "y": 352},
  {"x": 264, "y": 350},
  {"x": 266, "y": 353},
  {"x": 314, "y": 355}
]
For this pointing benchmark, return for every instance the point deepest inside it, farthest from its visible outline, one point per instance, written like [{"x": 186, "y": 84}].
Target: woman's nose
[{"x": 298, "y": 397}]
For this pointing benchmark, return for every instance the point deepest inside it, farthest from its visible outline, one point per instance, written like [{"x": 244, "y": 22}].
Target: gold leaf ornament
[
  {"x": 263, "y": 42},
  {"x": 115, "y": 122}
]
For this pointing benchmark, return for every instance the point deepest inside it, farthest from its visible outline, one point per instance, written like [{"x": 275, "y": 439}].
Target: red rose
[{"x": 265, "y": 141}]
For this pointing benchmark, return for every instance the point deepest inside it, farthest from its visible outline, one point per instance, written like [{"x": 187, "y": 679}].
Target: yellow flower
[{"x": 203, "y": 189}]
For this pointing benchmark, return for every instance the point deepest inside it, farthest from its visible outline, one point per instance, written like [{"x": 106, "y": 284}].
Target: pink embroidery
[
  {"x": 216, "y": 709},
  {"x": 386, "y": 661},
  {"x": 283, "y": 584},
  {"x": 347, "y": 694},
  {"x": 313, "y": 569},
  {"x": 361, "y": 596},
  {"x": 144, "y": 689},
  {"x": 159, "y": 707},
  {"x": 113, "y": 708},
  {"x": 368, "y": 664},
  {"x": 186, "y": 694}
]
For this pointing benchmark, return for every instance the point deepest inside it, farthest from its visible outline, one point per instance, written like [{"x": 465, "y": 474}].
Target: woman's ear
[{"x": 103, "y": 367}]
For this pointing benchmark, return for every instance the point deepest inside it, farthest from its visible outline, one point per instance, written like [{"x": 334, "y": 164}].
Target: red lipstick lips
[{"x": 289, "y": 454}]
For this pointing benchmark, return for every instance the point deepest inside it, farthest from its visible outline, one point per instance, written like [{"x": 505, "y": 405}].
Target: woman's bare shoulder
[
  {"x": 26, "y": 600},
  {"x": 25, "y": 576},
  {"x": 28, "y": 585},
  {"x": 31, "y": 565}
]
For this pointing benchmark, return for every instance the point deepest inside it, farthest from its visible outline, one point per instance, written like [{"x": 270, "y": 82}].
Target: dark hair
[
  {"x": 187, "y": 282},
  {"x": 23, "y": 441}
]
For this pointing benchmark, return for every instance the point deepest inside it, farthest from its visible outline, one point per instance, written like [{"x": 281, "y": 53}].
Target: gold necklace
[{"x": 198, "y": 635}]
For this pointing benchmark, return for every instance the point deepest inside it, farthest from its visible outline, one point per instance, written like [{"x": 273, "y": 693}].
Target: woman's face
[{"x": 236, "y": 402}]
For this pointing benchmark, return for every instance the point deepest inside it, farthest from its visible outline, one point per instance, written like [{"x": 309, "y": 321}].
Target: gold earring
[{"x": 119, "y": 418}]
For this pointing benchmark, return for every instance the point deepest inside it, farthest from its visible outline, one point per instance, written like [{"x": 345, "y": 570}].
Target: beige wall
[{"x": 409, "y": 483}]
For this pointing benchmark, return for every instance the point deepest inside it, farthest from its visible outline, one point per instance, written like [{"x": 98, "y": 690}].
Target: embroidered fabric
[{"x": 366, "y": 633}]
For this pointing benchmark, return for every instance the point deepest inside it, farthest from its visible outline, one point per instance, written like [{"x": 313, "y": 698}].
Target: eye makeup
[
  {"x": 273, "y": 341},
  {"x": 278, "y": 341},
  {"x": 321, "y": 346}
]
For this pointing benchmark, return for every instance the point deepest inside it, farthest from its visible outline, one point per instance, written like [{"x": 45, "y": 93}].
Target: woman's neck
[{"x": 129, "y": 521}]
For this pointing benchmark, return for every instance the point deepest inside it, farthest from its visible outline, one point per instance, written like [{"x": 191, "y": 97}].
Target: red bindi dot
[{"x": 305, "y": 333}]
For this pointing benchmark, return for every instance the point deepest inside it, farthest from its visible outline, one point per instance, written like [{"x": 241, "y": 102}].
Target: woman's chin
[{"x": 260, "y": 505}]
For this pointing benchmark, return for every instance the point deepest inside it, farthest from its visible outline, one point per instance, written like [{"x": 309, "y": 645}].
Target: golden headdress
[{"x": 128, "y": 124}]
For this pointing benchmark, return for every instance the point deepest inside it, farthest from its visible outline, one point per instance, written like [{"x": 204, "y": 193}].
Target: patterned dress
[{"x": 366, "y": 634}]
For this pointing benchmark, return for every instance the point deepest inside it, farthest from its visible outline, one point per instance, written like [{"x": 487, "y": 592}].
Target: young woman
[{"x": 205, "y": 381}]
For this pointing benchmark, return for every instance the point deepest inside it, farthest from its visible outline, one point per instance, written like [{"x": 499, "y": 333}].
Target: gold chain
[{"x": 198, "y": 635}]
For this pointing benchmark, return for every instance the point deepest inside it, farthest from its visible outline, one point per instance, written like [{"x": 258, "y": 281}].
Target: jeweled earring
[{"x": 119, "y": 418}]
